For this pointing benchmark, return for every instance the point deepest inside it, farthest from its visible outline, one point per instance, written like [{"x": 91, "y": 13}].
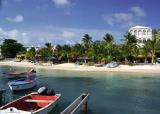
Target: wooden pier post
[
  {"x": 79, "y": 104},
  {"x": 85, "y": 105}
]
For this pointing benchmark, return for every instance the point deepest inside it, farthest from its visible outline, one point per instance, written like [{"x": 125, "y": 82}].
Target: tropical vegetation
[{"x": 105, "y": 50}]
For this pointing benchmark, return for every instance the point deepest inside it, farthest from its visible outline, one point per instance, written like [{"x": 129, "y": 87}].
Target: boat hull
[
  {"x": 47, "y": 109},
  {"x": 23, "y": 75},
  {"x": 43, "y": 110},
  {"x": 22, "y": 86}
]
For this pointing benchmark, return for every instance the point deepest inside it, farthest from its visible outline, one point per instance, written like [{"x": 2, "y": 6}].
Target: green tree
[
  {"x": 130, "y": 43},
  {"x": 108, "y": 38},
  {"x": 77, "y": 50},
  {"x": 57, "y": 54},
  {"x": 45, "y": 53},
  {"x": 96, "y": 52},
  {"x": 111, "y": 51},
  {"x": 153, "y": 44},
  {"x": 10, "y": 48},
  {"x": 48, "y": 45},
  {"x": 31, "y": 54},
  {"x": 145, "y": 52},
  {"x": 87, "y": 42},
  {"x": 66, "y": 52},
  {"x": 136, "y": 51}
]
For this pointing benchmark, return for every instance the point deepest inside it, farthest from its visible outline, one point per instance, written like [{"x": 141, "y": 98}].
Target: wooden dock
[{"x": 79, "y": 104}]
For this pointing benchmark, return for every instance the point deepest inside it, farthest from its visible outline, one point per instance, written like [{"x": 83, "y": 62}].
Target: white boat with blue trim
[{"x": 22, "y": 84}]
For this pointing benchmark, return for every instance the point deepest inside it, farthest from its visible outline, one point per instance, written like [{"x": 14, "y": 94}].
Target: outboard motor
[
  {"x": 33, "y": 71},
  {"x": 50, "y": 92},
  {"x": 42, "y": 90}
]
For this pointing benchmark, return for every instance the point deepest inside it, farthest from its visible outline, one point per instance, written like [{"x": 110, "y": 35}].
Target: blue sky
[{"x": 34, "y": 22}]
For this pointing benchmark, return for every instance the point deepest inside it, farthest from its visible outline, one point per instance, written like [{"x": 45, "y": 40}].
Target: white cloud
[
  {"x": 14, "y": 34},
  {"x": 68, "y": 34},
  {"x": 57, "y": 35},
  {"x": 19, "y": 18},
  {"x": 62, "y": 35},
  {"x": 124, "y": 20},
  {"x": 118, "y": 18},
  {"x": 138, "y": 11},
  {"x": 61, "y": 2},
  {"x": 24, "y": 34}
]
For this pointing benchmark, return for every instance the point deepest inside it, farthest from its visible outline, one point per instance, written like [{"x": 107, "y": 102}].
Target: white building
[{"x": 142, "y": 33}]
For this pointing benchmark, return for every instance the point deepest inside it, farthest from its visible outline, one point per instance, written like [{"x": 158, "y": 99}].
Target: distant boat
[
  {"x": 112, "y": 64},
  {"x": 33, "y": 103},
  {"x": 22, "y": 84},
  {"x": 98, "y": 65},
  {"x": 21, "y": 74}
]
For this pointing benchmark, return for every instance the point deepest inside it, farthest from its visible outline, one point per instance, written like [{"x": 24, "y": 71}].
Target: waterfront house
[{"x": 142, "y": 33}]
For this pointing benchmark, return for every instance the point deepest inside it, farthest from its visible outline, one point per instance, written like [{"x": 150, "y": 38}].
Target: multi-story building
[{"x": 142, "y": 33}]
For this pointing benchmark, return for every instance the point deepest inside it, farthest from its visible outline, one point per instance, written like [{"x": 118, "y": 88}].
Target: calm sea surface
[{"x": 111, "y": 93}]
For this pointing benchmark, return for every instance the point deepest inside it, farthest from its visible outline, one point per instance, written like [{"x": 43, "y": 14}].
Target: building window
[
  {"x": 139, "y": 32},
  {"x": 135, "y": 32},
  {"x": 144, "y": 32},
  {"x": 148, "y": 32}
]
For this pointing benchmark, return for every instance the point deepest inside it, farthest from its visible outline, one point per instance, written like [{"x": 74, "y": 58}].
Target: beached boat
[
  {"x": 22, "y": 84},
  {"x": 98, "y": 65},
  {"x": 21, "y": 74},
  {"x": 33, "y": 103},
  {"x": 112, "y": 64}
]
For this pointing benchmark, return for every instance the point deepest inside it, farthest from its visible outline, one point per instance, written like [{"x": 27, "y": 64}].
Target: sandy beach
[{"x": 73, "y": 67}]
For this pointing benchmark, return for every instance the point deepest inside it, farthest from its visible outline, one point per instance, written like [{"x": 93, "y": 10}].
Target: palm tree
[
  {"x": 96, "y": 53},
  {"x": 145, "y": 52},
  {"x": 136, "y": 51},
  {"x": 77, "y": 50},
  {"x": 31, "y": 53},
  {"x": 48, "y": 45},
  {"x": 130, "y": 43},
  {"x": 66, "y": 52},
  {"x": 153, "y": 45},
  {"x": 108, "y": 38},
  {"x": 111, "y": 51},
  {"x": 87, "y": 42}
]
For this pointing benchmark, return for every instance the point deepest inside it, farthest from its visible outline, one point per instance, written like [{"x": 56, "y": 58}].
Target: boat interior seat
[
  {"x": 42, "y": 104},
  {"x": 41, "y": 97}
]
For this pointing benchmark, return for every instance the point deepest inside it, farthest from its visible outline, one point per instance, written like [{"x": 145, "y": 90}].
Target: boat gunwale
[
  {"x": 22, "y": 83},
  {"x": 33, "y": 93},
  {"x": 58, "y": 96}
]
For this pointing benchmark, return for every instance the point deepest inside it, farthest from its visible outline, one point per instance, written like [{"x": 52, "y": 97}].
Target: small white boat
[
  {"x": 33, "y": 103},
  {"x": 21, "y": 74},
  {"x": 22, "y": 84},
  {"x": 112, "y": 64}
]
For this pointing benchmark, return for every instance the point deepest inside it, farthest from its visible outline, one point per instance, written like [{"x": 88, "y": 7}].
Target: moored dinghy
[
  {"x": 14, "y": 75},
  {"x": 22, "y": 84},
  {"x": 34, "y": 103}
]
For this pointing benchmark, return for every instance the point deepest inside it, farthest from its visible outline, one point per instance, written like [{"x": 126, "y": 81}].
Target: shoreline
[{"x": 72, "y": 67}]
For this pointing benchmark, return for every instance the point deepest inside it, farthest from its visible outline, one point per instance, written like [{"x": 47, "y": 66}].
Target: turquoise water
[{"x": 111, "y": 93}]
